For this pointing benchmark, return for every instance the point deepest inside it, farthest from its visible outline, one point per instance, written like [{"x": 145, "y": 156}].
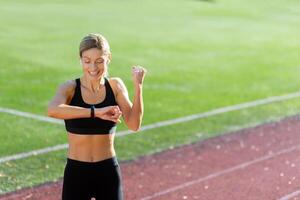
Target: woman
[{"x": 91, "y": 107}]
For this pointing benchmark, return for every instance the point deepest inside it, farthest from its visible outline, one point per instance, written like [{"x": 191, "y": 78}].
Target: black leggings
[{"x": 84, "y": 180}]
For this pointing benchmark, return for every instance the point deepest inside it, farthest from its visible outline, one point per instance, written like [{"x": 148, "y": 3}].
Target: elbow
[
  {"x": 51, "y": 112},
  {"x": 135, "y": 128},
  {"x": 134, "y": 124}
]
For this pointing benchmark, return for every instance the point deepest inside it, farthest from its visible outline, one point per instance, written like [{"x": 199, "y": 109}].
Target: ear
[
  {"x": 109, "y": 58},
  {"x": 80, "y": 61}
]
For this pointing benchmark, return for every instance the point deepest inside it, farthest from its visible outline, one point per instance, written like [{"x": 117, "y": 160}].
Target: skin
[{"x": 92, "y": 148}]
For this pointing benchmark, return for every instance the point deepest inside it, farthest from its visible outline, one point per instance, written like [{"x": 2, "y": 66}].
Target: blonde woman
[{"x": 92, "y": 106}]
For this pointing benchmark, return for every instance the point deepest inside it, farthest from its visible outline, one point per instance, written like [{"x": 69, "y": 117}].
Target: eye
[{"x": 99, "y": 62}]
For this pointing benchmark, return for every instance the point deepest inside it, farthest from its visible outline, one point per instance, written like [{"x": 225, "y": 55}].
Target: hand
[
  {"x": 111, "y": 113},
  {"x": 138, "y": 74}
]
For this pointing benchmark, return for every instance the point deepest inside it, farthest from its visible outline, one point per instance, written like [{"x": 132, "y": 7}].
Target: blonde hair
[{"x": 94, "y": 40}]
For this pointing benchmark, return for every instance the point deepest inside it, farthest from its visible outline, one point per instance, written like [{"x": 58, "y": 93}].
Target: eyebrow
[{"x": 95, "y": 59}]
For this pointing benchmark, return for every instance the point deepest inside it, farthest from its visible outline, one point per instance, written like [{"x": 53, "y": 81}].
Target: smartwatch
[{"x": 92, "y": 111}]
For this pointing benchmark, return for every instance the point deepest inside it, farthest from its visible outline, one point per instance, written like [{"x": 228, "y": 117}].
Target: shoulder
[
  {"x": 116, "y": 81},
  {"x": 117, "y": 84},
  {"x": 67, "y": 86}
]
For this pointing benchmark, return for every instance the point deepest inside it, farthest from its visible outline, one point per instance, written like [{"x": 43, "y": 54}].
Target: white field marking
[
  {"x": 146, "y": 127},
  {"x": 30, "y": 115},
  {"x": 222, "y": 172},
  {"x": 33, "y": 153},
  {"x": 291, "y": 195}
]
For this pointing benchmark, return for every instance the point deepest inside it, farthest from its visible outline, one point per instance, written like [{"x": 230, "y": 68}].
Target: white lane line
[
  {"x": 150, "y": 126},
  {"x": 30, "y": 115},
  {"x": 222, "y": 110},
  {"x": 291, "y": 195},
  {"x": 33, "y": 153},
  {"x": 220, "y": 173}
]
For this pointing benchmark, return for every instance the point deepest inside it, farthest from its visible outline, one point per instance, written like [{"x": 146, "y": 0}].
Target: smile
[{"x": 94, "y": 73}]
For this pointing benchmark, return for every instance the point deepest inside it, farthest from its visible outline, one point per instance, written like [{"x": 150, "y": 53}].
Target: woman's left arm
[{"x": 132, "y": 112}]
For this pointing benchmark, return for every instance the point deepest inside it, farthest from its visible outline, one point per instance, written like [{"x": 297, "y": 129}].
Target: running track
[{"x": 260, "y": 163}]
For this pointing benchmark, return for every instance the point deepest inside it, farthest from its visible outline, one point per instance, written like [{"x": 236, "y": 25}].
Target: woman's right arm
[{"x": 58, "y": 107}]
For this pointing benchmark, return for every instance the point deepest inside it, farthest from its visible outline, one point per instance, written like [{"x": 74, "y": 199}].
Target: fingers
[
  {"x": 117, "y": 110},
  {"x": 115, "y": 120},
  {"x": 138, "y": 73},
  {"x": 115, "y": 114},
  {"x": 138, "y": 70}
]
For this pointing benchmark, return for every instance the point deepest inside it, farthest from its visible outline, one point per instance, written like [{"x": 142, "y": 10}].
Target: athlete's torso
[{"x": 93, "y": 145}]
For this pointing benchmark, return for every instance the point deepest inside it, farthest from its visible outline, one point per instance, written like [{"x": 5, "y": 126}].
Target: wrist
[
  {"x": 138, "y": 86},
  {"x": 92, "y": 111}
]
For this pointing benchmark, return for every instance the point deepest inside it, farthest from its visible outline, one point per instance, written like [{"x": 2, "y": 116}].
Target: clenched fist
[
  {"x": 111, "y": 113},
  {"x": 138, "y": 74}
]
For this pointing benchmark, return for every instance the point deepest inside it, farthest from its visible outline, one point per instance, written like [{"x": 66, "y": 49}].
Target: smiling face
[
  {"x": 94, "y": 63},
  {"x": 94, "y": 55}
]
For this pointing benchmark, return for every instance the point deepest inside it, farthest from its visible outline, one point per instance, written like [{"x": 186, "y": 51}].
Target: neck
[{"x": 93, "y": 85}]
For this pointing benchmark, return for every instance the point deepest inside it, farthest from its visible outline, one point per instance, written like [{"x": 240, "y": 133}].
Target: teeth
[{"x": 93, "y": 73}]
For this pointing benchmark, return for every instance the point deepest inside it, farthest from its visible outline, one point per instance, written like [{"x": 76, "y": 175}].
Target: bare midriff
[{"x": 91, "y": 148}]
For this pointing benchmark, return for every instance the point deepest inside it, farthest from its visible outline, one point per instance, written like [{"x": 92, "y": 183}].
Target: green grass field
[{"x": 200, "y": 56}]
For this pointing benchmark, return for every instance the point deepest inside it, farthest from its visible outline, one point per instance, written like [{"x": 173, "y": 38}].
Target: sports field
[{"x": 200, "y": 56}]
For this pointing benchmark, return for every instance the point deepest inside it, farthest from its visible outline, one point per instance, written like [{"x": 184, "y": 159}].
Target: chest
[{"x": 93, "y": 97}]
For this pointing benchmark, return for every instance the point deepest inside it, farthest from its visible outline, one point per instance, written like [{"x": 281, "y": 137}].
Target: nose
[{"x": 91, "y": 65}]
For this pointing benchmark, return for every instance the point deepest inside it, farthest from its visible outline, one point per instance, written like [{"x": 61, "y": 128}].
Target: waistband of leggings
[{"x": 106, "y": 162}]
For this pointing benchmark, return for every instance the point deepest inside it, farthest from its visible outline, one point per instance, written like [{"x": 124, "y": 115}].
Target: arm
[
  {"x": 132, "y": 112},
  {"x": 58, "y": 107}
]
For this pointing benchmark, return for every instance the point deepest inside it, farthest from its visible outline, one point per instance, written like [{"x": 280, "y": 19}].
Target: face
[{"x": 94, "y": 63}]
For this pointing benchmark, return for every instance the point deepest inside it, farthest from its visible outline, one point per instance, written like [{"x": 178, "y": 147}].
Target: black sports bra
[{"x": 91, "y": 126}]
